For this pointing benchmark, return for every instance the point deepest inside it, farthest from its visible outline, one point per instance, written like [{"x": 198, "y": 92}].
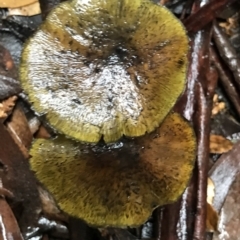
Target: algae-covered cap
[
  {"x": 105, "y": 68},
  {"x": 117, "y": 185}
]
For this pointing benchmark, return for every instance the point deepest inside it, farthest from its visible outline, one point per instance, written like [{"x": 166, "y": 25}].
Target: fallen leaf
[
  {"x": 212, "y": 215},
  {"x": 9, "y": 225},
  {"x": 18, "y": 124},
  {"x": 219, "y": 144},
  {"x": 212, "y": 219},
  {"x": 218, "y": 105},
  {"x": 17, "y": 178},
  {"x": 15, "y": 3},
  {"x": 9, "y": 85},
  {"x": 229, "y": 215},
  {"x": 29, "y": 10},
  {"x": 223, "y": 174},
  {"x": 19, "y": 129},
  {"x": 6, "y": 107},
  {"x": 210, "y": 191},
  {"x": 230, "y": 25}
]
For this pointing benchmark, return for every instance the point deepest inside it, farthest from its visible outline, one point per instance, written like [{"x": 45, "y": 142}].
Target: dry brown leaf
[
  {"x": 9, "y": 224},
  {"x": 218, "y": 106},
  {"x": 6, "y": 107},
  {"x": 212, "y": 215},
  {"x": 212, "y": 219},
  {"x": 219, "y": 144},
  {"x": 15, "y": 3},
  {"x": 19, "y": 129},
  {"x": 210, "y": 191},
  {"x": 232, "y": 23},
  {"x": 29, "y": 10}
]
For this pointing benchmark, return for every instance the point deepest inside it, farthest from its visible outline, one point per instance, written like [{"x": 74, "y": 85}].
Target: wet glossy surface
[
  {"x": 229, "y": 216},
  {"x": 119, "y": 184},
  {"x": 106, "y": 68}
]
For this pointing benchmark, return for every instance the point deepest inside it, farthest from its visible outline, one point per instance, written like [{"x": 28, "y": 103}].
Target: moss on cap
[{"x": 105, "y": 68}]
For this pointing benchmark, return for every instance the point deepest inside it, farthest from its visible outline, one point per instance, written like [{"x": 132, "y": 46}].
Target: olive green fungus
[
  {"x": 117, "y": 185},
  {"x": 107, "y": 73},
  {"x": 105, "y": 68}
]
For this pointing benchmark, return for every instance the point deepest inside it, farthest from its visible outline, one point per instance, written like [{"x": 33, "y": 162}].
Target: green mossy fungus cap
[
  {"x": 117, "y": 185},
  {"x": 105, "y": 68}
]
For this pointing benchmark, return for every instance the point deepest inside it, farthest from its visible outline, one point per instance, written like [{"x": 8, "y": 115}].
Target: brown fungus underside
[
  {"x": 105, "y": 68},
  {"x": 120, "y": 184}
]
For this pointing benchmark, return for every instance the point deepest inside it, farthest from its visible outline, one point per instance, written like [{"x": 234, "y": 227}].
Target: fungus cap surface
[
  {"x": 117, "y": 185},
  {"x": 105, "y": 68}
]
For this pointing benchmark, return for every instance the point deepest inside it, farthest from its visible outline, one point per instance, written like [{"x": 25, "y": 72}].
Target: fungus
[
  {"x": 105, "y": 68},
  {"x": 110, "y": 69},
  {"x": 120, "y": 184}
]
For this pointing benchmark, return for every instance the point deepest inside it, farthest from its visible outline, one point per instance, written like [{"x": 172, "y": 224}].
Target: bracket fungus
[
  {"x": 105, "y": 68},
  {"x": 117, "y": 185}
]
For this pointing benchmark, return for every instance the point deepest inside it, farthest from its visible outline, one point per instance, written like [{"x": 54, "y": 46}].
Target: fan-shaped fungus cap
[
  {"x": 105, "y": 68},
  {"x": 119, "y": 185}
]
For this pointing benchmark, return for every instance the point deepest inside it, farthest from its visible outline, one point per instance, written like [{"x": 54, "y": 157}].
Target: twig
[
  {"x": 205, "y": 90},
  {"x": 205, "y": 14},
  {"x": 8, "y": 223},
  {"x": 169, "y": 224},
  {"x": 226, "y": 79},
  {"x": 227, "y": 52},
  {"x": 196, "y": 105},
  {"x": 203, "y": 126},
  {"x": 188, "y": 209}
]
